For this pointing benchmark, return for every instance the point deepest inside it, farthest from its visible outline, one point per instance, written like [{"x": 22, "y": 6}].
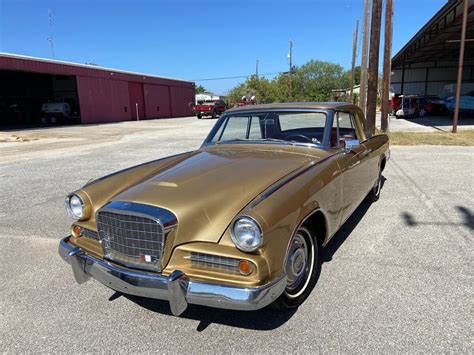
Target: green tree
[
  {"x": 312, "y": 81},
  {"x": 200, "y": 89},
  {"x": 254, "y": 86},
  {"x": 315, "y": 80}
]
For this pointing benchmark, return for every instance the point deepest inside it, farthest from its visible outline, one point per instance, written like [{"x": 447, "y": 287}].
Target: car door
[
  {"x": 372, "y": 145},
  {"x": 352, "y": 162}
]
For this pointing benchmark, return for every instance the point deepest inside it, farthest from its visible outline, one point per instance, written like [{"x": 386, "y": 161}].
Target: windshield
[{"x": 271, "y": 127}]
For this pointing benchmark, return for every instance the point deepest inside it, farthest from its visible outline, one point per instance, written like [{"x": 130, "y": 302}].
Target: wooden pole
[
  {"x": 386, "y": 63},
  {"x": 291, "y": 64},
  {"x": 461, "y": 63},
  {"x": 373, "y": 63},
  {"x": 354, "y": 51},
  {"x": 363, "y": 64}
]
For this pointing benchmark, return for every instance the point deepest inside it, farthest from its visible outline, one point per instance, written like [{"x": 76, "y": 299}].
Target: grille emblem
[{"x": 148, "y": 258}]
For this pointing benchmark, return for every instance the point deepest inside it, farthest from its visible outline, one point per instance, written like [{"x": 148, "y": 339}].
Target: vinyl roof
[{"x": 434, "y": 41}]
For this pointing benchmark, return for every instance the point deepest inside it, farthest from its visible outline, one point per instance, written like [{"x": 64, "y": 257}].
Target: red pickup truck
[{"x": 212, "y": 108}]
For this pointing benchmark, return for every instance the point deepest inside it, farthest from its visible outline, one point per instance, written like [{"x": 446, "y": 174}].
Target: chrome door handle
[{"x": 354, "y": 164}]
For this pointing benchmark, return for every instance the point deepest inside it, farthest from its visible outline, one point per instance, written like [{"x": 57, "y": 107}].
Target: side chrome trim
[
  {"x": 176, "y": 288},
  {"x": 286, "y": 179}
]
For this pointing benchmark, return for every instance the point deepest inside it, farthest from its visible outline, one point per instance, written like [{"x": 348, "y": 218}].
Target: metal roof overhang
[{"x": 439, "y": 39}]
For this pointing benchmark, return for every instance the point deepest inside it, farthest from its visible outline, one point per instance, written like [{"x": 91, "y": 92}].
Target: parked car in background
[
  {"x": 417, "y": 106},
  {"x": 466, "y": 104},
  {"x": 54, "y": 112},
  {"x": 239, "y": 223},
  {"x": 410, "y": 107},
  {"x": 433, "y": 105},
  {"x": 213, "y": 108},
  {"x": 245, "y": 101}
]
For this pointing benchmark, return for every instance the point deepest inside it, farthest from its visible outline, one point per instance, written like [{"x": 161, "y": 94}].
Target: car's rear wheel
[
  {"x": 199, "y": 116},
  {"x": 302, "y": 265},
  {"x": 214, "y": 114}
]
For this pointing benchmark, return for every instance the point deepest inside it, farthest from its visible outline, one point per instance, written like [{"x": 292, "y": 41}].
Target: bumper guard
[{"x": 176, "y": 288}]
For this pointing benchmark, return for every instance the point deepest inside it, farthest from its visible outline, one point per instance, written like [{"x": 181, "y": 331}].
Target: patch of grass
[{"x": 464, "y": 137}]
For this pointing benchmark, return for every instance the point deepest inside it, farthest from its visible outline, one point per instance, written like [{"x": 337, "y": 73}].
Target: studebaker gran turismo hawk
[{"x": 238, "y": 223}]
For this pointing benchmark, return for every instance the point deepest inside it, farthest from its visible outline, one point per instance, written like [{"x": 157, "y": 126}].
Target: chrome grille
[
  {"x": 88, "y": 233},
  {"x": 131, "y": 238},
  {"x": 214, "y": 262}
]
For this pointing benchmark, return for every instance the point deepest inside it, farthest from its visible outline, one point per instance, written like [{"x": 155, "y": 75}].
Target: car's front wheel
[{"x": 302, "y": 267}]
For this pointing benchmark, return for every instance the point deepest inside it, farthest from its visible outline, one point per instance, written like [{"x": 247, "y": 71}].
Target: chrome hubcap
[
  {"x": 378, "y": 185},
  {"x": 297, "y": 262}
]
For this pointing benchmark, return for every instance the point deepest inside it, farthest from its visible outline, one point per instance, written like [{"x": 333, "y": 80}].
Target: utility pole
[
  {"x": 290, "y": 57},
  {"x": 461, "y": 63},
  {"x": 373, "y": 63},
  {"x": 363, "y": 64},
  {"x": 50, "y": 38},
  {"x": 354, "y": 51},
  {"x": 256, "y": 69},
  {"x": 387, "y": 69}
]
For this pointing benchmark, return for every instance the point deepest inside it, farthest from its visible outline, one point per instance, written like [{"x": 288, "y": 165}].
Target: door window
[{"x": 343, "y": 129}]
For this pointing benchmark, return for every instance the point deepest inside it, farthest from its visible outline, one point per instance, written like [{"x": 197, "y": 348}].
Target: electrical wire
[{"x": 238, "y": 77}]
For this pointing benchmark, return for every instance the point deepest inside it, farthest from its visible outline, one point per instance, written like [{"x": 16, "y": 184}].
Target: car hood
[{"x": 209, "y": 188}]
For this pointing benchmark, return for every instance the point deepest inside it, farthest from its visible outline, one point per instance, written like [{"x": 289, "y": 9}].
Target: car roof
[{"x": 296, "y": 105}]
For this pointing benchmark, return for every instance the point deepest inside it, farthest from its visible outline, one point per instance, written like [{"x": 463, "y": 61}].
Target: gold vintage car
[{"x": 239, "y": 223}]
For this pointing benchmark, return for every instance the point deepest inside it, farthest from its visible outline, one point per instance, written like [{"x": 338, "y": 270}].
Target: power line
[{"x": 238, "y": 77}]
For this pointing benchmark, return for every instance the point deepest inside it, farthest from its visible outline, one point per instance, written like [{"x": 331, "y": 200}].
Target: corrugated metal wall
[
  {"x": 432, "y": 79},
  {"x": 105, "y": 95},
  {"x": 157, "y": 101},
  {"x": 180, "y": 99},
  {"x": 137, "y": 102},
  {"x": 103, "y": 100}
]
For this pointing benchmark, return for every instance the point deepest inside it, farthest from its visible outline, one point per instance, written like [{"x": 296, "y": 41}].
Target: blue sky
[{"x": 197, "y": 39}]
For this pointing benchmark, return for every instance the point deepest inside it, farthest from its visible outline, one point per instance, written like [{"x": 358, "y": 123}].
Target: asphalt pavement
[{"x": 396, "y": 278}]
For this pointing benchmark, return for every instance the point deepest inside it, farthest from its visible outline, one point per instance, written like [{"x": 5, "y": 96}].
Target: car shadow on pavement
[
  {"x": 263, "y": 319},
  {"x": 346, "y": 229},
  {"x": 267, "y": 318},
  {"x": 344, "y": 232}
]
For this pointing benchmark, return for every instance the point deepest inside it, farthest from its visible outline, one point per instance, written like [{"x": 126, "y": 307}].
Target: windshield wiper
[
  {"x": 232, "y": 140},
  {"x": 273, "y": 140}
]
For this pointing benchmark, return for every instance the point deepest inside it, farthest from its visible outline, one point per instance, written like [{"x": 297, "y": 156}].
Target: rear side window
[{"x": 365, "y": 125}]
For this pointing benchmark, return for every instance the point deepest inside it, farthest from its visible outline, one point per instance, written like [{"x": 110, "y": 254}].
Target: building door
[{"x": 137, "y": 103}]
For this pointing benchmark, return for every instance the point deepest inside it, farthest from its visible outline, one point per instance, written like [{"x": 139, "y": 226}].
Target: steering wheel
[{"x": 298, "y": 138}]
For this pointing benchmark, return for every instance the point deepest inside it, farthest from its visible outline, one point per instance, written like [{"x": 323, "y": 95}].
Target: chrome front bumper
[{"x": 176, "y": 288}]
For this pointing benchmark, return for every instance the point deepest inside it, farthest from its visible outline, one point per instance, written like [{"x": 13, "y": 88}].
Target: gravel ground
[{"x": 396, "y": 278}]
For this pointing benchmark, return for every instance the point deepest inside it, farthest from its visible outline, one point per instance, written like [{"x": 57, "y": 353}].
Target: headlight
[
  {"x": 246, "y": 234},
  {"x": 74, "y": 206}
]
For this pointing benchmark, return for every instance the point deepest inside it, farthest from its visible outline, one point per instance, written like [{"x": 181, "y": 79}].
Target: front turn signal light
[
  {"x": 245, "y": 267},
  {"x": 77, "y": 231}
]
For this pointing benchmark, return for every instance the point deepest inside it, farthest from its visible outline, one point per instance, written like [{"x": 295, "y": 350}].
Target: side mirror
[{"x": 351, "y": 144}]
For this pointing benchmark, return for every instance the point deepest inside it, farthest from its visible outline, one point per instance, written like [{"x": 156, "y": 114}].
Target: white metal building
[{"x": 428, "y": 63}]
